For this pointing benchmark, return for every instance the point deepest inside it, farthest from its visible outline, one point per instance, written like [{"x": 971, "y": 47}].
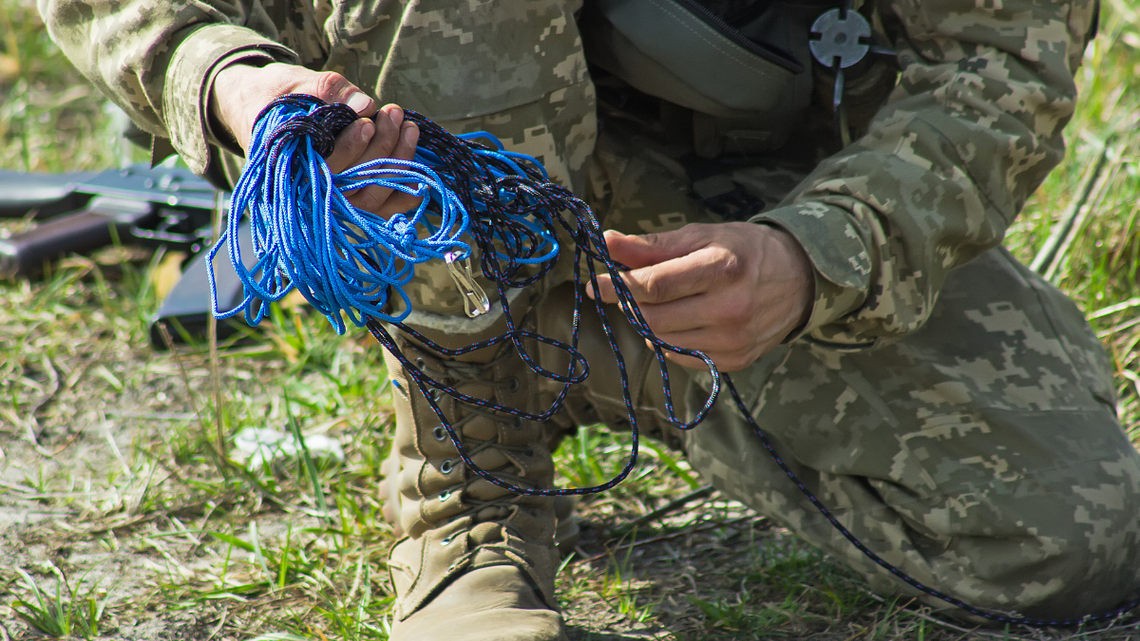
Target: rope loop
[{"x": 345, "y": 261}]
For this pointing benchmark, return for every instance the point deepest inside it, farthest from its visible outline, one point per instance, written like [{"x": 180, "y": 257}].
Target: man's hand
[
  {"x": 240, "y": 92},
  {"x": 731, "y": 290}
]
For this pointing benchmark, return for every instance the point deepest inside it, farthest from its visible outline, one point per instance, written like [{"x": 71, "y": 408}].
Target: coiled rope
[
  {"x": 307, "y": 236},
  {"x": 349, "y": 262}
]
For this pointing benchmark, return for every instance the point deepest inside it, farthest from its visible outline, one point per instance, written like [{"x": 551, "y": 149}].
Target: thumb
[{"x": 643, "y": 250}]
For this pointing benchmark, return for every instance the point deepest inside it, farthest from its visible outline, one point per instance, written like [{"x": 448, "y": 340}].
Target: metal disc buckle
[
  {"x": 842, "y": 38},
  {"x": 843, "y": 41}
]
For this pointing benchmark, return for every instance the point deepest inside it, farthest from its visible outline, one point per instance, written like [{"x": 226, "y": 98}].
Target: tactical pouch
[{"x": 747, "y": 84}]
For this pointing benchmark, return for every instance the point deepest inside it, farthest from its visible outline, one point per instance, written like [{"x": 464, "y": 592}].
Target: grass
[
  {"x": 1101, "y": 266},
  {"x": 122, "y": 516},
  {"x": 64, "y": 614}
]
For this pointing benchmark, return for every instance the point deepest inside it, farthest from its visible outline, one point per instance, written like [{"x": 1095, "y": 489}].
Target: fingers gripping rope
[
  {"x": 307, "y": 236},
  {"x": 346, "y": 261}
]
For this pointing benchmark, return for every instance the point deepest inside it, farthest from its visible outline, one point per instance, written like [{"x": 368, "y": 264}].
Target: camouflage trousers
[{"x": 981, "y": 455}]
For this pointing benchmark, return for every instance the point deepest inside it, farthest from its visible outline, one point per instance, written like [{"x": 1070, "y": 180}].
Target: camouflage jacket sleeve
[
  {"x": 157, "y": 59},
  {"x": 971, "y": 130}
]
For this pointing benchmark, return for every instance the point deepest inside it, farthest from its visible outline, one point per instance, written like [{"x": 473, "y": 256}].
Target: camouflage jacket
[{"x": 971, "y": 129}]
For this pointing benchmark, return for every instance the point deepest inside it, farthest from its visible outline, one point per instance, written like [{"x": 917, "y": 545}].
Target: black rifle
[{"x": 82, "y": 212}]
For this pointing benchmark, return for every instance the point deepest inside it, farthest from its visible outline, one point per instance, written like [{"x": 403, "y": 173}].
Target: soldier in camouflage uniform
[{"x": 950, "y": 406}]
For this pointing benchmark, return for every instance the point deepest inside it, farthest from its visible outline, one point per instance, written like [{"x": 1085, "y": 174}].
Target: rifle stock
[{"x": 186, "y": 309}]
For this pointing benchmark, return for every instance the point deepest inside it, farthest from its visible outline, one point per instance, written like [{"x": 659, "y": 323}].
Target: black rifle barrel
[
  {"x": 95, "y": 226},
  {"x": 39, "y": 196}
]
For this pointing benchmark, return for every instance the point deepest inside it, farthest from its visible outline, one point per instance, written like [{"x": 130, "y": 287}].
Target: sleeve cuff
[
  {"x": 215, "y": 133},
  {"x": 842, "y": 264},
  {"x": 201, "y": 54}
]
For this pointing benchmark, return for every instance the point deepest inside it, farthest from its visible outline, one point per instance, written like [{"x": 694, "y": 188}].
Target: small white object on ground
[{"x": 254, "y": 447}]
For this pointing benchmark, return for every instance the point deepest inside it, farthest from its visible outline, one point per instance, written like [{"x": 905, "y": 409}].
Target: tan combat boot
[{"x": 476, "y": 561}]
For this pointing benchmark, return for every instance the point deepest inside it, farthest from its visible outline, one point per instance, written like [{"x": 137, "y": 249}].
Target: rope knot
[
  {"x": 322, "y": 123},
  {"x": 404, "y": 232}
]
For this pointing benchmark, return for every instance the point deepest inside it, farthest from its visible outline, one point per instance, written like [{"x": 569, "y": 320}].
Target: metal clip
[{"x": 475, "y": 301}]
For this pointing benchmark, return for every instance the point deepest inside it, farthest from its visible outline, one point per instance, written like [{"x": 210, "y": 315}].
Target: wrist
[
  {"x": 838, "y": 253},
  {"x": 196, "y": 54},
  {"x": 224, "y": 102}
]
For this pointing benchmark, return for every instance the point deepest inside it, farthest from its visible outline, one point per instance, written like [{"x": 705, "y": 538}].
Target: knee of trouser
[
  {"x": 1059, "y": 591},
  {"x": 1083, "y": 559}
]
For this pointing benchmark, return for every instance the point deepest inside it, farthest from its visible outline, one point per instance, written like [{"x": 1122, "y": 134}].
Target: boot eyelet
[
  {"x": 446, "y": 466},
  {"x": 446, "y": 541},
  {"x": 436, "y": 394},
  {"x": 420, "y": 363},
  {"x": 517, "y": 423},
  {"x": 439, "y": 433},
  {"x": 444, "y": 495},
  {"x": 513, "y": 384},
  {"x": 529, "y": 451}
]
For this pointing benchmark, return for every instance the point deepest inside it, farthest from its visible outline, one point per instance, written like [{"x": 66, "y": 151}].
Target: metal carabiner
[{"x": 475, "y": 301}]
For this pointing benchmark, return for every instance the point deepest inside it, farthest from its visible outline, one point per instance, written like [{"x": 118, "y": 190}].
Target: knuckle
[
  {"x": 652, "y": 240},
  {"x": 330, "y": 86},
  {"x": 348, "y": 147},
  {"x": 730, "y": 266},
  {"x": 690, "y": 229},
  {"x": 387, "y": 137},
  {"x": 652, "y": 287}
]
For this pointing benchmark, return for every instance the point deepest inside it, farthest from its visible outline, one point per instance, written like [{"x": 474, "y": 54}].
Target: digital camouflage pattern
[
  {"x": 979, "y": 454},
  {"x": 970, "y": 131},
  {"x": 156, "y": 60},
  {"x": 947, "y": 404}
]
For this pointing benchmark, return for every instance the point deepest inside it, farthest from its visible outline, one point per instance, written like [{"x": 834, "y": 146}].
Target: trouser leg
[{"x": 981, "y": 455}]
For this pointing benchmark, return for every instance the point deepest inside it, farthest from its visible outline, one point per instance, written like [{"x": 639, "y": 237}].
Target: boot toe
[{"x": 486, "y": 604}]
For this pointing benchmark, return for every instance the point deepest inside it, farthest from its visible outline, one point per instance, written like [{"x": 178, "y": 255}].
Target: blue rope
[
  {"x": 346, "y": 261},
  {"x": 307, "y": 236}
]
